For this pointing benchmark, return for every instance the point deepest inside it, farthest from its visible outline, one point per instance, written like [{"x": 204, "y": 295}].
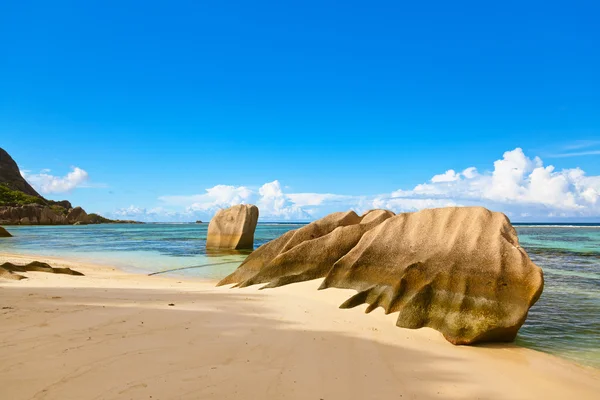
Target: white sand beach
[{"x": 115, "y": 335}]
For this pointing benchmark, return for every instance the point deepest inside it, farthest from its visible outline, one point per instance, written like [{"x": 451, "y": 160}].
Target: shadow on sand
[{"x": 91, "y": 344}]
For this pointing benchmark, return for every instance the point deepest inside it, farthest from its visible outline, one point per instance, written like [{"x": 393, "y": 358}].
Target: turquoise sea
[{"x": 565, "y": 321}]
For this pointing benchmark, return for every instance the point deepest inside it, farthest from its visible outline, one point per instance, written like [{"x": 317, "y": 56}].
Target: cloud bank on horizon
[{"x": 521, "y": 187}]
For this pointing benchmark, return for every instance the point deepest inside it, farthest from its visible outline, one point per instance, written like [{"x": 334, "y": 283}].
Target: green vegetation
[
  {"x": 16, "y": 198},
  {"x": 10, "y": 197},
  {"x": 98, "y": 219},
  {"x": 59, "y": 210}
]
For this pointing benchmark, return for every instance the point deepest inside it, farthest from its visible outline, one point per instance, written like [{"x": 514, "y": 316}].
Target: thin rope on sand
[{"x": 192, "y": 267}]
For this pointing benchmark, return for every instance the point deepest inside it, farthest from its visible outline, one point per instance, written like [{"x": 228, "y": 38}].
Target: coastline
[{"x": 114, "y": 334}]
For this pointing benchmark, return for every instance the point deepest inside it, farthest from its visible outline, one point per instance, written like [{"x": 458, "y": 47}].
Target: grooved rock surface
[
  {"x": 31, "y": 214},
  {"x": 459, "y": 270},
  {"x": 306, "y": 253},
  {"x": 7, "y": 270},
  {"x": 233, "y": 228},
  {"x": 4, "y": 232},
  {"x": 37, "y": 214}
]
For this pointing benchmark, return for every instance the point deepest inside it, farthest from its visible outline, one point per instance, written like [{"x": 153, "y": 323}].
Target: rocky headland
[{"x": 21, "y": 204}]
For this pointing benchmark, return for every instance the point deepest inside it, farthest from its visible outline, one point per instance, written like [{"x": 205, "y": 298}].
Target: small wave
[
  {"x": 171, "y": 223},
  {"x": 554, "y": 251},
  {"x": 181, "y": 239}
]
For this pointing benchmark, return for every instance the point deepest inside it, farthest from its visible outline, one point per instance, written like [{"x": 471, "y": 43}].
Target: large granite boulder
[
  {"x": 37, "y": 214},
  {"x": 306, "y": 253},
  {"x": 49, "y": 216},
  {"x": 4, "y": 232},
  {"x": 77, "y": 214},
  {"x": 31, "y": 214},
  {"x": 459, "y": 270},
  {"x": 63, "y": 203},
  {"x": 28, "y": 213},
  {"x": 233, "y": 228}
]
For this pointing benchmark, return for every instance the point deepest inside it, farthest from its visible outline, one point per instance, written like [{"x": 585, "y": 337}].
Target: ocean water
[
  {"x": 565, "y": 321},
  {"x": 146, "y": 248}
]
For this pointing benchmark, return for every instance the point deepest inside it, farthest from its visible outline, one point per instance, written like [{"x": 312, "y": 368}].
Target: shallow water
[
  {"x": 565, "y": 321},
  {"x": 143, "y": 248}
]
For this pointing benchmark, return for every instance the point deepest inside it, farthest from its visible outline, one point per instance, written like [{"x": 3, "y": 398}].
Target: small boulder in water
[{"x": 233, "y": 228}]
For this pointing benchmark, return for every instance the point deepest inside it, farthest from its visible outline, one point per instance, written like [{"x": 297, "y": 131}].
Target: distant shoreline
[{"x": 516, "y": 224}]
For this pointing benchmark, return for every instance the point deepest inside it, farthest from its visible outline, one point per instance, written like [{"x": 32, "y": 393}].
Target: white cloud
[
  {"x": 517, "y": 185},
  {"x": 578, "y": 148},
  {"x": 517, "y": 182},
  {"x": 157, "y": 214},
  {"x": 448, "y": 176},
  {"x": 274, "y": 204},
  {"x": 406, "y": 204},
  {"x": 577, "y": 154},
  {"x": 470, "y": 173},
  {"x": 220, "y": 196},
  {"x": 582, "y": 144},
  {"x": 46, "y": 183},
  {"x": 317, "y": 199}
]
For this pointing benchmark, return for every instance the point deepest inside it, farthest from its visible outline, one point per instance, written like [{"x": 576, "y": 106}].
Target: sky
[{"x": 168, "y": 111}]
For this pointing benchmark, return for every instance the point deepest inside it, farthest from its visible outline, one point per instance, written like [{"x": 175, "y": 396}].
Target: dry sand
[{"x": 113, "y": 335}]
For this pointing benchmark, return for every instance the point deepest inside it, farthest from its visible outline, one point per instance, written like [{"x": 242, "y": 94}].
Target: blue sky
[{"x": 169, "y": 110}]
